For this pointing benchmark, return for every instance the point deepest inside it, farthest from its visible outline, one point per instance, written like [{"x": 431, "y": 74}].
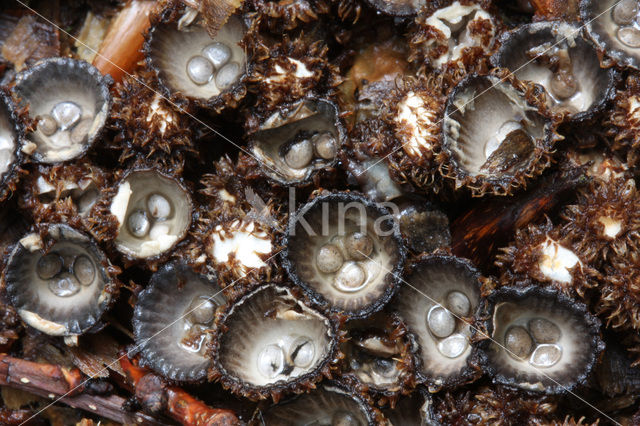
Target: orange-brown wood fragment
[
  {"x": 121, "y": 48},
  {"x": 65, "y": 386},
  {"x": 477, "y": 234},
  {"x": 552, "y": 10},
  {"x": 156, "y": 395},
  {"x": 51, "y": 378}
]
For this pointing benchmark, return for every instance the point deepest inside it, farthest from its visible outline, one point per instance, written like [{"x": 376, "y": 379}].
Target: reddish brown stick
[
  {"x": 52, "y": 382},
  {"x": 482, "y": 230},
  {"x": 155, "y": 395},
  {"x": 549, "y": 10},
  {"x": 46, "y": 377},
  {"x": 121, "y": 47}
]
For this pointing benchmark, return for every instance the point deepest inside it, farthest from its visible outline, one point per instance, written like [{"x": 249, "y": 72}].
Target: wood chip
[
  {"x": 29, "y": 42},
  {"x": 90, "y": 37}
]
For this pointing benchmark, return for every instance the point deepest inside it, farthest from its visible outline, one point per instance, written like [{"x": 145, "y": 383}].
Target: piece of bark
[
  {"x": 96, "y": 356},
  {"x": 66, "y": 386},
  {"x": 156, "y": 396},
  {"x": 490, "y": 225},
  {"x": 30, "y": 41}
]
